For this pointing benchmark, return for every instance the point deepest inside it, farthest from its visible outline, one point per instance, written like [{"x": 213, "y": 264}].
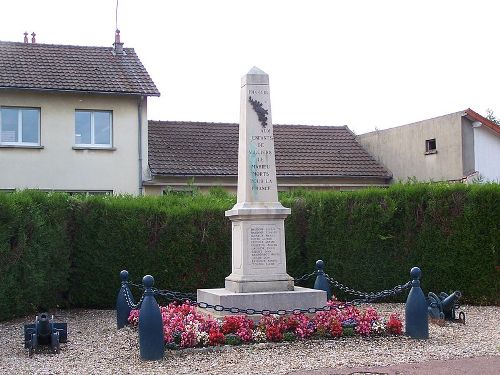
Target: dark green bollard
[
  {"x": 321, "y": 282},
  {"x": 123, "y": 301},
  {"x": 416, "y": 316},
  {"x": 151, "y": 342}
]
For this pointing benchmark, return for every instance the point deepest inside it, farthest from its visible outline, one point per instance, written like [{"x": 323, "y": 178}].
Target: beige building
[
  {"x": 73, "y": 118},
  {"x": 202, "y": 155},
  {"x": 455, "y": 147}
]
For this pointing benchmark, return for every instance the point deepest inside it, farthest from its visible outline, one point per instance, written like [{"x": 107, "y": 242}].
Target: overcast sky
[{"x": 366, "y": 64}]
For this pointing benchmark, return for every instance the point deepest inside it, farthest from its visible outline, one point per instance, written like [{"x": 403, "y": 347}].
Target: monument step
[{"x": 299, "y": 298}]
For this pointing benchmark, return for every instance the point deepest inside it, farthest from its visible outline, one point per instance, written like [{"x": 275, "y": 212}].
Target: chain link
[
  {"x": 178, "y": 296},
  {"x": 190, "y": 298},
  {"x": 129, "y": 299},
  {"x": 139, "y": 286},
  {"x": 250, "y": 311},
  {"x": 305, "y": 277},
  {"x": 372, "y": 296}
]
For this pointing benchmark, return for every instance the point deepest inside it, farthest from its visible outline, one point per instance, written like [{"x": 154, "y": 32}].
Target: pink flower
[{"x": 133, "y": 317}]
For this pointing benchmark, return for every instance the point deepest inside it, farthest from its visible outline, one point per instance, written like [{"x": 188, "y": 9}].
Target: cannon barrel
[
  {"x": 449, "y": 302},
  {"x": 44, "y": 328}
]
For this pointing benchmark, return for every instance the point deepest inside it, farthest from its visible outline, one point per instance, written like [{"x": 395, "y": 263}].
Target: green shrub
[
  {"x": 34, "y": 252},
  {"x": 58, "y": 250},
  {"x": 370, "y": 239}
]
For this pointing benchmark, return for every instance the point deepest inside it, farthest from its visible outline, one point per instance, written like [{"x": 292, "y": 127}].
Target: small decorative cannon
[
  {"x": 44, "y": 332},
  {"x": 444, "y": 306}
]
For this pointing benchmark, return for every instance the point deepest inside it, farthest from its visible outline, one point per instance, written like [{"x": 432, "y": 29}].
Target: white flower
[
  {"x": 202, "y": 338},
  {"x": 259, "y": 336},
  {"x": 378, "y": 327}
]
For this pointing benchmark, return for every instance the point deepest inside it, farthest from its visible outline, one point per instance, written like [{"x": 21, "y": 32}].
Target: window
[
  {"x": 19, "y": 126},
  {"x": 430, "y": 146},
  {"x": 87, "y": 192},
  {"x": 93, "y": 128}
]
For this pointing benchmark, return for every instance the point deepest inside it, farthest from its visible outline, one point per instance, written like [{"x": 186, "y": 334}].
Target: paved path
[{"x": 472, "y": 366}]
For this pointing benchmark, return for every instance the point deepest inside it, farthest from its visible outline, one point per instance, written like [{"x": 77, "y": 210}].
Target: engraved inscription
[
  {"x": 261, "y": 149},
  {"x": 264, "y": 246}
]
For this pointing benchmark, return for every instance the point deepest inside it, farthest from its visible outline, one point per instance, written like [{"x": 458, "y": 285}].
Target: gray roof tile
[
  {"x": 73, "y": 68},
  {"x": 211, "y": 149}
]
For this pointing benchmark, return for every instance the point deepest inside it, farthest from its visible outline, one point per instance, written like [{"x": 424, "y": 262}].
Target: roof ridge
[
  {"x": 235, "y": 123},
  {"x": 58, "y": 45}
]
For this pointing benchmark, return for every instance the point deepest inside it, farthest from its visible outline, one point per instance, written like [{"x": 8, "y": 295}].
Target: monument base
[
  {"x": 258, "y": 283},
  {"x": 299, "y": 298}
]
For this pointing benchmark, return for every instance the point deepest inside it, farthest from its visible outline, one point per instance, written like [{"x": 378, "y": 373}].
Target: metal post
[
  {"x": 321, "y": 282},
  {"x": 152, "y": 345},
  {"x": 123, "y": 301},
  {"x": 416, "y": 316}
]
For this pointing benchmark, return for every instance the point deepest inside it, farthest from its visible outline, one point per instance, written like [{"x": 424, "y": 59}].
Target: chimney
[
  {"x": 25, "y": 37},
  {"x": 118, "y": 46},
  {"x": 33, "y": 40}
]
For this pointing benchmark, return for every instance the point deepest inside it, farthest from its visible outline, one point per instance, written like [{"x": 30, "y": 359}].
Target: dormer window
[
  {"x": 93, "y": 129},
  {"x": 430, "y": 146},
  {"x": 19, "y": 126}
]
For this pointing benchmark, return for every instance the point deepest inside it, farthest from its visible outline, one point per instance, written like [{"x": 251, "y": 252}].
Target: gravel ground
[{"x": 95, "y": 346}]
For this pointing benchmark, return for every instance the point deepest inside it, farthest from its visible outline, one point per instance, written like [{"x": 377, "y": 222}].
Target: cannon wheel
[{"x": 54, "y": 342}]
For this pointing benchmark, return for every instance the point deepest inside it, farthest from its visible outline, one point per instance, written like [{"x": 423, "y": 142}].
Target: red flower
[
  {"x": 394, "y": 326},
  {"x": 215, "y": 337},
  {"x": 273, "y": 333},
  {"x": 335, "y": 328},
  {"x": 232, "y": 324}
]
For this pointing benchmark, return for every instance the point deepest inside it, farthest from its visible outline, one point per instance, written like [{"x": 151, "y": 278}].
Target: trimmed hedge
[
  {"x": 370, "y": 239},
  {"x": 185, "y": 243},
  {"x": 59, "y": 250},
  {"x": 34, "y": 252}
]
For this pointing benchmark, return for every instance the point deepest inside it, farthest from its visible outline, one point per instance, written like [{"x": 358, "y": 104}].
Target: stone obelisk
[
  {"x": 258, "y": 279},
  {"x": 258, "y": 247}
]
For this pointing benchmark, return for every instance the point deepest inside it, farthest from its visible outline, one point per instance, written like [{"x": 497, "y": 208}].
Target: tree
[{"x": 490, "y": 115}]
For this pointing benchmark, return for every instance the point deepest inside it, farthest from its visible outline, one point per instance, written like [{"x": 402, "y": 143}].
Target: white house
[{"x": 73, "y": 118}]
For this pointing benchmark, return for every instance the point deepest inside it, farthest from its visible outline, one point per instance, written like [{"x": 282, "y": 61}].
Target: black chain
[
  {"x": 139, "y": 286},
  {"x": 305, "y": 277},
  {"x": 250, "y": 311},
  {"x": 128, "y": 299},
  {"x": 372, "y": 296},
  {"x": 190, "y": 298},
  {"x": 178, "y": 296}
]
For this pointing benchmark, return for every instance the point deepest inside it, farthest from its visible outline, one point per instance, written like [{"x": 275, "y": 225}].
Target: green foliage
[
  {"x": 348, "y": 332},
  {"x": 183, "y": 241},
  {"x": 490, "y": 115},
  {"x": 58, "y": 250},
  {"x": 34, "y": 252},
  {"x": 232, "y": 339},
  {"x": 370, "y": 239}
]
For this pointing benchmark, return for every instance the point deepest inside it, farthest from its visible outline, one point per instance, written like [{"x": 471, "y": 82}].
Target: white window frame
[
  {"x": 92, "y": 132},
  {"x": 20, "y": 127}
]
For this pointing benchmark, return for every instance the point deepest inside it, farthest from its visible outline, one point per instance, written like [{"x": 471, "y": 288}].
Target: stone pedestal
[
  {"x": 258, "y": 278},
  {"x": 297, "y": 298}
]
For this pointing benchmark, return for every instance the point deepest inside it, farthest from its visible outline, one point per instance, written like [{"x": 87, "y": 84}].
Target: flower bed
[{"x": 185, "y": 327}]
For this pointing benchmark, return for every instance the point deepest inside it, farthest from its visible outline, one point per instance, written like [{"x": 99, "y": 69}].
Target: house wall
[
  {"x": 230, "y": 183},
  {"x": 467, "y": 148},
  {"x": 402, "y": 149},
  {"x": 487, "y": 153},
  {"x": 57, "y": 166}
]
